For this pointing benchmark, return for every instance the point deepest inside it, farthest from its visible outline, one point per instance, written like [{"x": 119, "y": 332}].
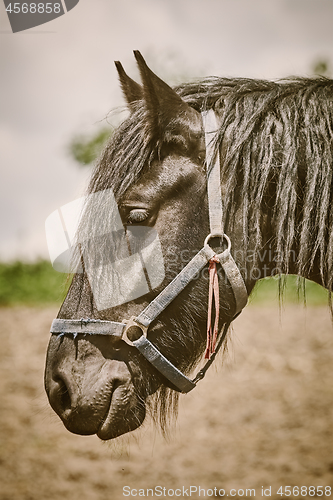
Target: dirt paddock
[{"x": 262, "y": 418}]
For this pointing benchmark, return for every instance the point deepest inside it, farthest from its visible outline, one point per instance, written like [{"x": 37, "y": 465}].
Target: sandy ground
[{"x": 263, "y": 418}]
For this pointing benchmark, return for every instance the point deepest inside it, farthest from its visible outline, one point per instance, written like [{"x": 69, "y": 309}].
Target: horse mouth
[
  {"x": 124, "y": 414},
  {"x": 104, "y": 402},
  {"x": 106, "y": 428}
]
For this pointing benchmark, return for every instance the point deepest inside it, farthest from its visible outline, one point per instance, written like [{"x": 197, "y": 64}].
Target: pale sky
[{"x": 59, "y": 79}]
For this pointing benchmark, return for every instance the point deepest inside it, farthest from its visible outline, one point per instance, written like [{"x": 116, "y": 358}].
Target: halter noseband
[{"x": 123, "y": 330}]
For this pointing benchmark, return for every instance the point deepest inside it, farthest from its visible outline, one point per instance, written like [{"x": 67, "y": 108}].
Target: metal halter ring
[
  {"x": 132, "y": 323},
  {"x": 218, "y": 235}
]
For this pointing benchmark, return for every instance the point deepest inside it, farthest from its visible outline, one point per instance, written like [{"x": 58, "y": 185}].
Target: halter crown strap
[
  {"x": 196, "y": 264},
  {"x": 213, "y": 173}
]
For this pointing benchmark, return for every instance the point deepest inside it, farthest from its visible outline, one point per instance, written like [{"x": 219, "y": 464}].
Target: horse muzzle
[{"x": 90, "y": 393}]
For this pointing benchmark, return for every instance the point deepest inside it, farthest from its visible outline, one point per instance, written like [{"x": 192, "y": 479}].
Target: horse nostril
[
  {"x": 64, "y": 396},
  {"x": 60, "y": 397}
]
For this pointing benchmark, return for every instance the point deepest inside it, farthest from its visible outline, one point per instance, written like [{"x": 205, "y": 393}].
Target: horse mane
[{"x": 276, "y": 145}]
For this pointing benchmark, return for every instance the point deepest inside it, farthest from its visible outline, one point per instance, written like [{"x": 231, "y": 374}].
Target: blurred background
[{"x": 60, "y": 100}]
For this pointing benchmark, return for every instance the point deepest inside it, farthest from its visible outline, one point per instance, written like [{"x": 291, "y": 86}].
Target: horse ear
[
  {"x": 165, "y": 107},
  {"x": 132, "y": 91}
]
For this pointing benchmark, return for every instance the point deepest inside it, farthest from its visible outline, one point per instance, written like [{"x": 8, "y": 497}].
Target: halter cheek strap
[{"x": 124, "y": 330}]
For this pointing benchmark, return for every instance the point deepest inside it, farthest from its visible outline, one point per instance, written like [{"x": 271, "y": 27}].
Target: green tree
[
  {"x": 322, "y": 67},
  {"x": 85, "y": 149}
]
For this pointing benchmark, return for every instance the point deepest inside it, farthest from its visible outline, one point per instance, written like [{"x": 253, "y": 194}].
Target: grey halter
[{"x": 199, "y": 261}]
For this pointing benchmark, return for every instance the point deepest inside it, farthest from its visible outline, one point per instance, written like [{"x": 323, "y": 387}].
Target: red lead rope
[{"x": 213, "y": 293}]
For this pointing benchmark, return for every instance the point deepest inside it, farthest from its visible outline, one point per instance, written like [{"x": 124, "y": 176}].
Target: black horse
[{"x": 275, "y": 143}]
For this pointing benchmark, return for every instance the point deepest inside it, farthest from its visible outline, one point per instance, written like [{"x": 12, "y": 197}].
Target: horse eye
[{"x": 137, "y": 215}]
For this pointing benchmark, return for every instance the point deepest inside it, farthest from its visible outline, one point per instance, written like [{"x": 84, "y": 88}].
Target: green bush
[
  {"x": 38, "y": 283},
  {"x": 31, "y": 284},
  {"x": 289, "y": 289}
]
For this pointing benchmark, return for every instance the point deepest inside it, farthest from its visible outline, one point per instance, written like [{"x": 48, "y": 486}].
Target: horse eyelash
[{"x": 141, "y": 213}]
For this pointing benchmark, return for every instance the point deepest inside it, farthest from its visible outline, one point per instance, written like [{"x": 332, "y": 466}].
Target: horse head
[{"x": 155, "y": 165}]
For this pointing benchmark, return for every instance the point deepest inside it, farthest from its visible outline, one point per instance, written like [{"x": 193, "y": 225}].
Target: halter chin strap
[{"x": 128, "y": 329}]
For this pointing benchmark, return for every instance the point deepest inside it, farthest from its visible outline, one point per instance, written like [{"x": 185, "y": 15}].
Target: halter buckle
[{"x": 134, "y": 324}]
